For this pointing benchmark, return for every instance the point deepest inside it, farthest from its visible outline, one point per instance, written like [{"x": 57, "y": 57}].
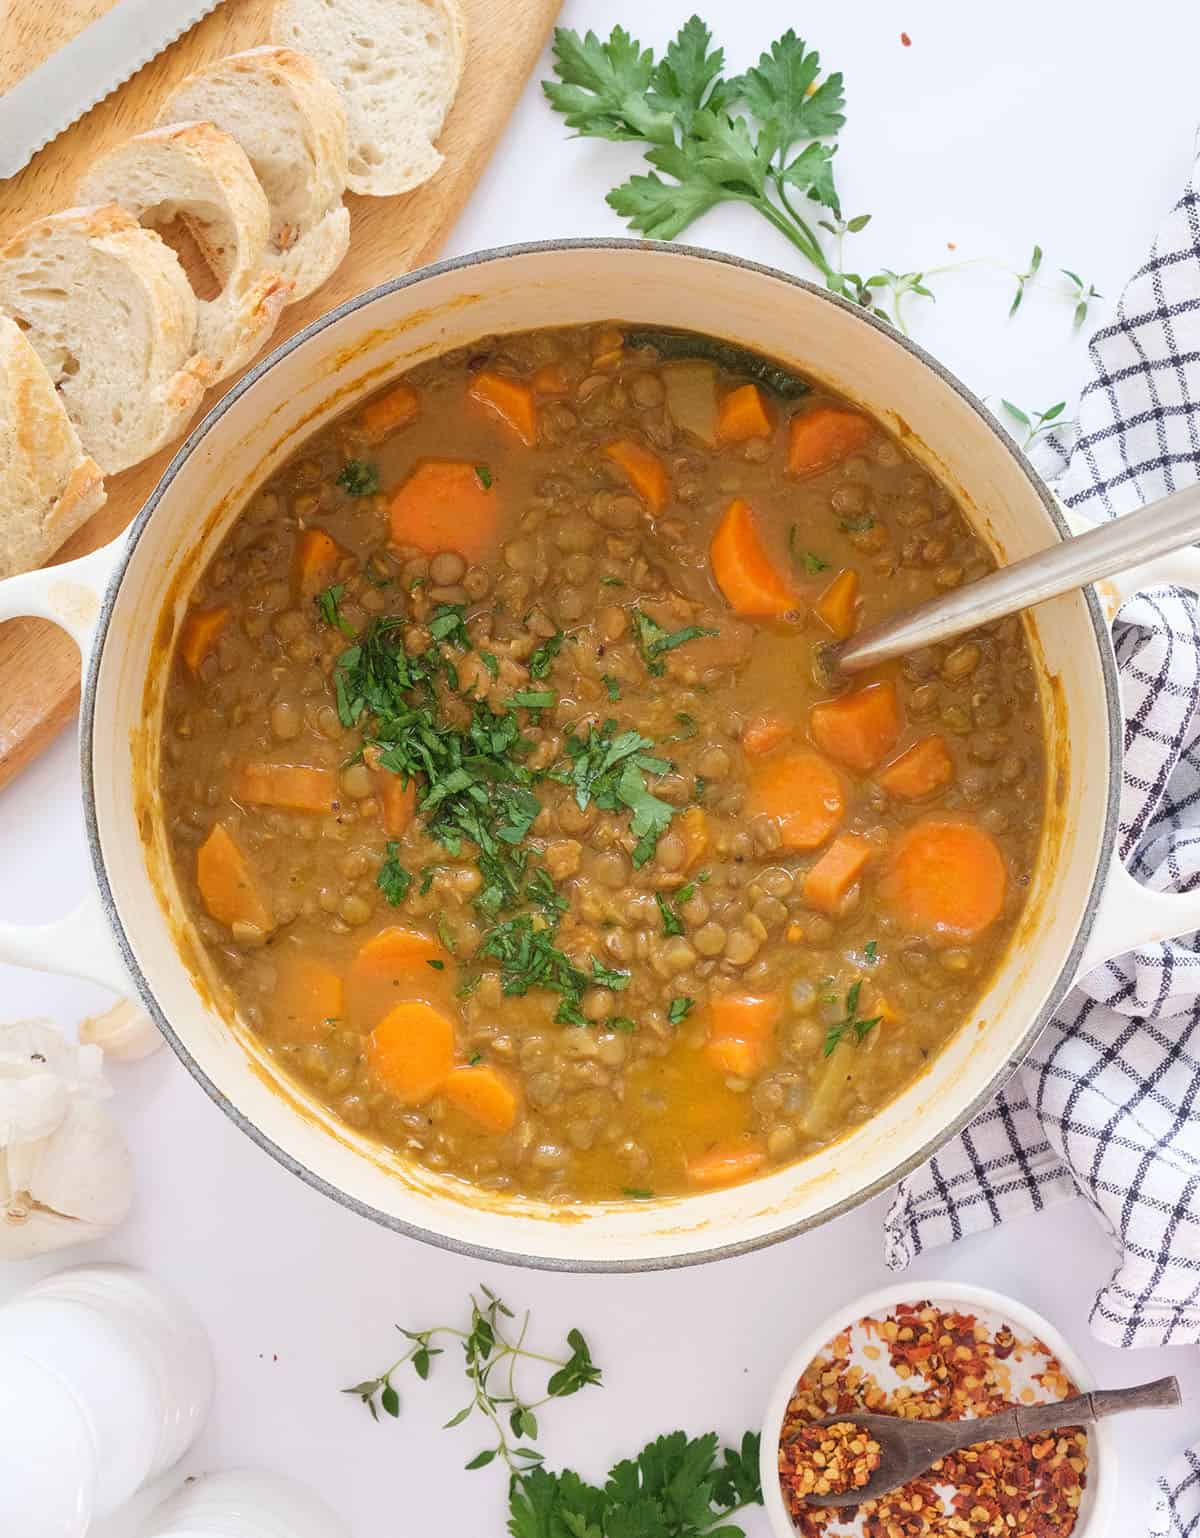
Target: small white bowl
[{"x": 1095, "y": 1509}]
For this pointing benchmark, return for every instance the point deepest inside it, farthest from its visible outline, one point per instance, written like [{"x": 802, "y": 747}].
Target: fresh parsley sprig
[
  {"x": 491, "y": 1354},
  {"x": 850, "y": 1023}
]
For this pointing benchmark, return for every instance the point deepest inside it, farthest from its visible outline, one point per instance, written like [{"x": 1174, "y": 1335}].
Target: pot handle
[
  {"x": 70, "y": 595},
  {"x": 1130, "y": 914}
]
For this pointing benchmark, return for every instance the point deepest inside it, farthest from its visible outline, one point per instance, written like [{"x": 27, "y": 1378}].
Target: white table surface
[{"x": 999, "y": 126}]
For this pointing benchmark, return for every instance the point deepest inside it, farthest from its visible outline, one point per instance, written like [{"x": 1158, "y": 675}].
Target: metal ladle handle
[{"x": 1116, "y": 546}]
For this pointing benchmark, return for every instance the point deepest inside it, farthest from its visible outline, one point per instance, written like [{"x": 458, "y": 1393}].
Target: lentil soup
[{"x": 510, "y": 802}]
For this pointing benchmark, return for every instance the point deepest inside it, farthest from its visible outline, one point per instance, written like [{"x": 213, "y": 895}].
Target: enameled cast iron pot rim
[{"x": 88, "y": 766}]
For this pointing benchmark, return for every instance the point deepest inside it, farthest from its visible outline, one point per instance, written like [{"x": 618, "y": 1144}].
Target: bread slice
[
  {"x": 397, "y": 64},
  {"x": 194, "y": 172},
  {"x": 107, "y": 308},
  {"x": 290, "y": 122},
  {"x": 48, "y": 485}
]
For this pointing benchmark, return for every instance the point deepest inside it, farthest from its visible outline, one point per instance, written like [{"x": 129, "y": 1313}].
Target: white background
[{"x": 1000, "y": 126}]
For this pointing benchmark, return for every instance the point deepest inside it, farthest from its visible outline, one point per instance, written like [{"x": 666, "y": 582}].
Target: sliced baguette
[
  {"x": 290, "y": 122},
  {"x": 48, "y": 485},
  {"x": 194, "y": 172},
  {"x": 397, "y": 64},
  {"x": 109, "y": 311}
]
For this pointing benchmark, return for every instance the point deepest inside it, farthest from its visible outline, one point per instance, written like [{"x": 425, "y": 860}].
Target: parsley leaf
[
  {"x": 358, "y": 478},
  {"x": 604, "y": 86},
  {"x": 622, "y": 1023},
  {"x": 814, "y": 564},
  {"x": 534, "y": 699},
  {"x": 393, "y": 880},
  {"x": 871, "y": 952},
  {"x": 484, "y": 476},
  {"x": 609, "y": 977},
  {"x": 654, "y": 642},
  {"x": 613, "y": 687},
  {"x": 539, "y": 663},
  {"x": 850, "y": 1022},
  {"x": 672, "y": 923},
  {"x": 327, "y": 602},
  {"x": 679, "y": 1008}
]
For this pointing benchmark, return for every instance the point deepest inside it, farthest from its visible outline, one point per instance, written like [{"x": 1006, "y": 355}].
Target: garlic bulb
[
  {"x": 65, "y": 1172},
  {"x": 125, "y": 1032}
]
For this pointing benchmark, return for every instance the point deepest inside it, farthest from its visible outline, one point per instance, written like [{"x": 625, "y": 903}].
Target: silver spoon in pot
[
  {"x": 1161, "y": 527},
  {"x": 908, "y": 1448}
]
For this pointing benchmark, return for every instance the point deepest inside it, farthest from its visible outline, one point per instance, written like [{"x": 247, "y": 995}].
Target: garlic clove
[
  {"x": 26, "y": 1234},
  {"x": 85, "y": 1170},
  {"x": 125, "y": 1032}
]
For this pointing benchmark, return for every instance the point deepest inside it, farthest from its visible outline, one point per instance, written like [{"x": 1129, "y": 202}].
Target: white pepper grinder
[
  {"x": 109, "y": 1368},
  {"x": 244, "y": 1503}
]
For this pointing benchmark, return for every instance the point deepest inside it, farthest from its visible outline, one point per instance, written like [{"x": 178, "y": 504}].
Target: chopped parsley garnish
[
  {"x": 327, "y": 602},
  {"x": 609, "y": 768},
  {"x": 654, "y": 642},
  {"x": 688, "y": 727},
  {"x": 534, "y": 699},
  {"x": 621, "y": 1023},
  {"x": 393, "y": 880},
  {"x": 637, "y": 1193},
  {"x": 358, "y": 478},
  {"x": 475, "y": 1059},
  {"x": 438, "y": 966},
  {"x": 427, "y": 874},
  {"x": 871, "y": 951},
  {"x": 449, "y": 623},
  {"x": 490, "y": 662},
  {"x": 850, "y": 1022},
  {"x": 672, "y": 923},
  {"x": 679, "y": 1008},
  {"x": 539, "y": 663},
  {"x": 529, "y": 958},
  {"x": 686, "y": 893},
  {"x": 609, "y": 977},
  {"x": 613, "y": 687},
  {"x": 613, "y": 581},
  {"x": 541, "y": 891},
  {"x": 700, "y": 788},
  {"x": 814, "y": 564},
  {"x": 484, "y": 476},
  {"x": 445, "y": 936}
]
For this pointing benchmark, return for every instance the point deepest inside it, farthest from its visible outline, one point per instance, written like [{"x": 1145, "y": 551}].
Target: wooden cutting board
[{"x": 39, "y": 666}]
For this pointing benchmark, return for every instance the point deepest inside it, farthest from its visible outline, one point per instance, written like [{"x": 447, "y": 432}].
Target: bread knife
[{"x": 85, "y": 70}]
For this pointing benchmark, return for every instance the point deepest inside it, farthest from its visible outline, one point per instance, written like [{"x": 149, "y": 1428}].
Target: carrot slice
[
  {"x": 314, "y": 562},
  {"x": 740, "y": 1030},
  {"x": 764, "y": 733},
  {"x": 644, "y": 470},
  {"x": 412, "y": 1051},
  {"x": 742, "y": 415},
  {"x": 828, "y": 883},
  {"x": 399, "y": 948},
  {"x": 387, "y": 412},
  {"x": 858, "y": 729},
  {"x": 743, "y": 570},
  {"x": 200, "y": 631},
  {"x": 836, "y": 606},
  {"x": 397, "y": 800},
  {"x": 483, "y": 1094},
  {"x": 444, "y": 505},
  {"x": 508, "y": 399},
  {"x": 946, "y": 879},
  {"x": 550, "y": 379},
  {"x": 229, "y": 891},
  {"x": 726, "y": 1162},
  {"x": 694, "y": 826},
  {"x": 925, "y": 768},
  {"x": 308, "y": 995},
  {"x": 803, "y": 794},
  {"x": 823, "y": 437},
  {"x": 291, "y": 786}
]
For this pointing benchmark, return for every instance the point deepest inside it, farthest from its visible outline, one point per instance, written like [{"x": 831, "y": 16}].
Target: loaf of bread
[
  {"x": 397, "y": 64},
  {"x": 196, "y": 173},
  {"x": 48, "y": 485},
  {"x": 110, "y": 313},
  {"x": 290, "y": 122}
]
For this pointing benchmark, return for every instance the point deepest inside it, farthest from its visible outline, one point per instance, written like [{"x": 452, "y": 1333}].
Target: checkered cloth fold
[{"x": 1107, "y": 1104}]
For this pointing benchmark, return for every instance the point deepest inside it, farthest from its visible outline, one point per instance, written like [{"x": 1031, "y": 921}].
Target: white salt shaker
[
  {"x": 245, "y": 1503},
  {"x": 134, "y": 1365}
]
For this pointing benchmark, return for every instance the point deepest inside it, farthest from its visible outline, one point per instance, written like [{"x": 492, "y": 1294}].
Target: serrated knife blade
[{"x": 85, "y": 71}]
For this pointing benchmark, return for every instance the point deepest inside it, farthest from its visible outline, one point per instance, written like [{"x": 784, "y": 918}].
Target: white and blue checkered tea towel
[{"x": 1107, "y": 1104}]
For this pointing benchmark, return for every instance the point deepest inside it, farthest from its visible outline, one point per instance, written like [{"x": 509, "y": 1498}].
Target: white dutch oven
[{"x": 122, "y": 604}]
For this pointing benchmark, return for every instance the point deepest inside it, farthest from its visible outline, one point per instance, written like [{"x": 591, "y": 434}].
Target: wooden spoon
[{"x": 909, "y": 1447}]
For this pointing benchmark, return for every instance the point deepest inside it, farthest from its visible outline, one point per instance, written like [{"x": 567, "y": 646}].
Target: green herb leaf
[
  {"x": 358, "y": 478},
  {"x": 679, "y": 1009},
  {"x": 850, "y": 1023},
  {"x": 814, "y": 564},
  {"x": 484, "y": 476},
  {"x": 534, "y": 699},
  {"x": 871, "y": 952},
  {"x": 622, "y": 1023},
  {"x": 327, "y": 603},
  {"x": 637, "y": 1193},
  {"x": 654, "y": 642},
  {"x": 389, "y": 1401},
  {"x": 393, "y": 880},
  {"x": 604, "y": 87},
  {"x": 613, "y": 687},
  {"x": 672, "y": 923},
  {"x": 539, "y": 663}
]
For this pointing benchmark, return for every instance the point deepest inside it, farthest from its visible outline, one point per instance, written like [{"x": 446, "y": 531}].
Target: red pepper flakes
[
  {"x": 952, "y": 1366},
  {"x": 826, "y": 1460}
]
